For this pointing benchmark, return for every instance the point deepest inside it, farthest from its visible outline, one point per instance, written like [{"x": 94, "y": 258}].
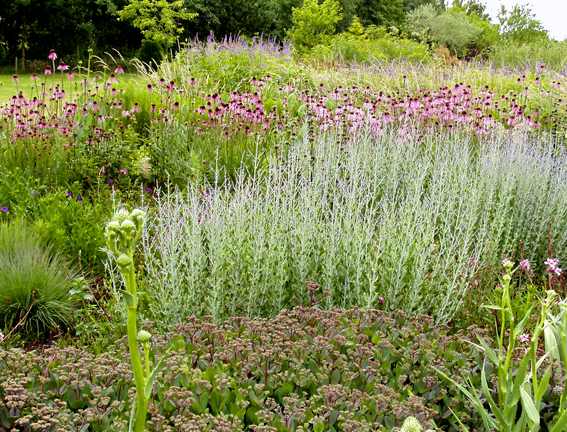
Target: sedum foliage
[{"x": 306, "y": 369}]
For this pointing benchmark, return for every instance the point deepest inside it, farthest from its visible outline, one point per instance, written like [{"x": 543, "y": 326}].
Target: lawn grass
[{"x": 8, "y": 88}]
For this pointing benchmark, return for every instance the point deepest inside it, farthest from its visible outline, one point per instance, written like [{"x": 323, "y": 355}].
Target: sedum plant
[{"x": 122, "y": 235}]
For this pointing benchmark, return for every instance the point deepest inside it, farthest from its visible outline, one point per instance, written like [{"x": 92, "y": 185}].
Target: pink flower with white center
[
  {"x": 524, "y": 338},
  {"x": 52, "y": 55},
  {"x": 525, "y": 265},
  {"x": 119, "y": 70}
]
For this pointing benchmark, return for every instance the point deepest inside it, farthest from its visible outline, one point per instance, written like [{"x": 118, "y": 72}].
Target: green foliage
[
  {"x": 520, "y": 26},
  {"x": 158, "y": 20},
  {"x": 372, "y": 46},
  {"x": 313, "y": 24},
  {"x": 483, "y": 43},
  {"x": 528, "y": 56},
  {"x": 151, "y": 52},
  {"x": 381, "y": 13},
  {"x": 451, "y": 29},
  {"x": 34, "y": 285},
  {"x": 318, "y": 371}
]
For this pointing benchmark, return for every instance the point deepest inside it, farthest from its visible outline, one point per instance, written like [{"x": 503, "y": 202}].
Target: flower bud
[
  {"x": 143, "y": 336},
  {"x": 121, "y": 215},
  {"x": 128, "y": 229},
  {"x": 123, "y": 261}
]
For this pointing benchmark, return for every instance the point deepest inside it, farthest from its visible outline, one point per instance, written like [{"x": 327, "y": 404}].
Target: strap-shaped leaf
[
  {"x": 489, "y": 351},
  {"x": 542, "y": 386},
  {"x": 495, "y": 410},
  {"x": 529, "y": 406},
  {"x": 132, "y": 418},
  {"x": 518, "y": 383},
  {"x": 519, "y": 328},
  {"x": 150, "y": 381},
  {"x": 561, "y": 424},
  {"x": 550, "y": 341}
]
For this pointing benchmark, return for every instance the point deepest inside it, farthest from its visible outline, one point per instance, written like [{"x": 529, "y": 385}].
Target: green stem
[{"x": 142, "y": 403}]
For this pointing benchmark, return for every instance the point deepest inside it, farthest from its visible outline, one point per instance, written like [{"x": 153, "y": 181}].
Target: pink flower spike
[
  {"x": 525, "y": 265},
  {"x": 52, "y": 55}
]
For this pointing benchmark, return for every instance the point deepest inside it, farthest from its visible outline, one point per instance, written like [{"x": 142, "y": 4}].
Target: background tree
[
  {"x": 381, "y": 12},
  {"x": 519, "y": 25},
  {"x": 158, "y": 20},
  {"x": 451, "y": 29},
  {"x": 313, "y": 24}
]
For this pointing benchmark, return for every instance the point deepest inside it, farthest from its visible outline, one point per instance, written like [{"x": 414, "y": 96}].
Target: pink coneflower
[
  {"x": 136, "y": 108},
  {"x": 150, "y": 88},
  {"x": 34, "y": 77},
  {"x": 63, "y": 67},
  {"x": 70, "y": 76},
  {"x": 119, "y": 70},
  {"x": 15, "y": 79},
  {"x": 47, "y": 70},
  {"x": 112, "y": 79},
  {"x": 52, "y": 55}
]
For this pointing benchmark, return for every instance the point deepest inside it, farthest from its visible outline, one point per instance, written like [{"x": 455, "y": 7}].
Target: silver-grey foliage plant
[{"x": 388, "y": 221}]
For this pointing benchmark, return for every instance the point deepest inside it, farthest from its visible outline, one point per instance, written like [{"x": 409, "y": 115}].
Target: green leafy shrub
[
  {"x": 313, "y": 24},
  {"x": 151, "y": 53},
  {"x": 34, "y": 284}
]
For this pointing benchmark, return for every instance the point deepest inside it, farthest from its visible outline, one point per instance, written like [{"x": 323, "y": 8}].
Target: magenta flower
[
  {"x": 63, "y": 67},
  {"x": 136, "y": 108},
  {"x": 34, "y": 77},
  {"x": 4, "y": 209},
  {"x": 52, "y": 55},
  {"x": 525, "y": 265},
  {"x": 47, "y": 71},
  {"x": 119, "y": 70},
  {"x": 524, "y": 338},
  {"x": 15, "y": 79},
  {"x": 123, "y": 172},
  {"x": 150, "y": 87},
  {"x": 70, "y": 75},
  {"x": 381, "y": 300}
]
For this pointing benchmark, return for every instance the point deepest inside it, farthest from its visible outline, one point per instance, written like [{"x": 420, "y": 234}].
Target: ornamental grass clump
[
  {"x": 122, "y": 235},
  {"x": 34, "y": 285}
]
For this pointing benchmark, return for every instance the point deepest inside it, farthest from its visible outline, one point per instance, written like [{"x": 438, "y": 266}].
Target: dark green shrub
[
  {"x": 151, "y": 52},
  {"x": 34, "y": 284}
]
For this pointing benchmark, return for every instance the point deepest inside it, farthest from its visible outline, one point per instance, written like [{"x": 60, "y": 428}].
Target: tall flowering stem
[{"x": 122, "y": 235}]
